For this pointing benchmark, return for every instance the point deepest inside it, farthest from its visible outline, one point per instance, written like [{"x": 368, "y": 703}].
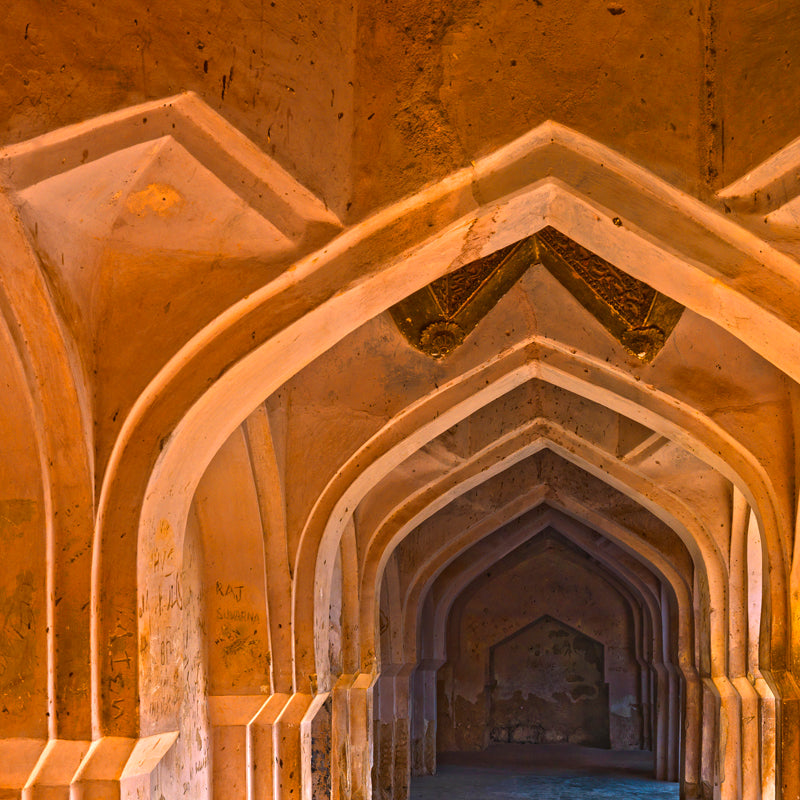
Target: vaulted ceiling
[{"x": 312, "y": 312}]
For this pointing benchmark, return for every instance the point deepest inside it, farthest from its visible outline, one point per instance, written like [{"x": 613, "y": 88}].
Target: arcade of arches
[{"x": 380, "y": 381}]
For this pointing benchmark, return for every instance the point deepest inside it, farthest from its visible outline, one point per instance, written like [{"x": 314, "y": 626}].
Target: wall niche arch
[{"x": 547, "y": 686}]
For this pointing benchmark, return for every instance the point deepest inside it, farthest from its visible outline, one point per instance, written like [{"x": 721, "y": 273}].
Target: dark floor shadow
[
  {"x": 543, "y": 772},
  {"x": 555, "y": 759}
]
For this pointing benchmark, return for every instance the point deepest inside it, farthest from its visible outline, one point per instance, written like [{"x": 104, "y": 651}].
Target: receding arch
[
  {"x": 685, "y": 624},
  {"x": 716, "y": 667},
  {"x": 571, "y": 449},
  {"x": 554, "y": 365},
  {"x": 524, "y": 554},
  {"x": 430, "y": 628},
  {"x": 108, "y": 523},
  {"x": 143, "y": 488},
  {"x": 60, "y": 408}
]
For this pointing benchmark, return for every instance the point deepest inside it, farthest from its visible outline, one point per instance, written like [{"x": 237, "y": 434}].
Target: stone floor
[{"x": 544, "y": 772}]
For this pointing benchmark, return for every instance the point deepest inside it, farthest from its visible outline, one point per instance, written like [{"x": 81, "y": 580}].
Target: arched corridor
[{"x": 387, "y": 466}]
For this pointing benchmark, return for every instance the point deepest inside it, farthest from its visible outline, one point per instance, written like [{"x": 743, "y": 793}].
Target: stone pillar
[
  {"x": 383, "y": 773},
  {"x": 647, "y": 707},
  {"x": 730, "y": 739},
  {"x": 674, "y": 724},
  {"x": 402, "y": 733},
  {"x": 661, "y": 742},
  {"x": 137, "y": 779},
  {"x": 750, "y": 739},
  {"x": 693, "y": 731},
  {"x": 98, "y": 777},
  {"x": 445, "y": 738},
  {"x": 229, "y": 716},
  {"x": 287, "y": 760},
  {"x": 767, "y": 711},
  {"x": 431, "y": 714},
  {"x": 709, "y": 762},
  {"x": 742, "y": 524},
  {"x": 789, "y": 715},
  {"x": 260, "y": 749},
  {"x": 341, "y": 788},
  {"x": 652, "y": 693},
  {"x": 361, "y": 736},
  {"x": 417, "y": 722},
  {"x": 641, "y": 671},
  {"x": 18, "y": 758},
  {"x": 423, "y": 717},
  {"x": 315, "y": 745},
  {"x": 55, "y": 770}
]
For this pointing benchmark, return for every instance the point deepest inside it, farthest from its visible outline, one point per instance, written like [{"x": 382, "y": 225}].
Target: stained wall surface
[
  {"x": 281, "y": 73},
  {"x": 548, "y": 687}
]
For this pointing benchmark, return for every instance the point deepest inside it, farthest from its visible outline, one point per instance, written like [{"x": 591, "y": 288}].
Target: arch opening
[{"x": 326, "y": 583}]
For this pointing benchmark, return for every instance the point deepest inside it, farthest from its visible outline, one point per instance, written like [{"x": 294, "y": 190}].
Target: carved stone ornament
[
  {"x": 635, "y": 314},
  {"x": 438, "y": 318},
  {"x": 440, "y": 338}
]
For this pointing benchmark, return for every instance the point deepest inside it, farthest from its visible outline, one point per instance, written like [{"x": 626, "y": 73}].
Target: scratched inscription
[
  {"x": 241, "y": 656},
  {"x": 172, "y": 645}
]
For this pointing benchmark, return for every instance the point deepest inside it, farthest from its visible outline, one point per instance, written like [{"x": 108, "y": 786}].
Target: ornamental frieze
[{"x": 438, "y": 318}]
